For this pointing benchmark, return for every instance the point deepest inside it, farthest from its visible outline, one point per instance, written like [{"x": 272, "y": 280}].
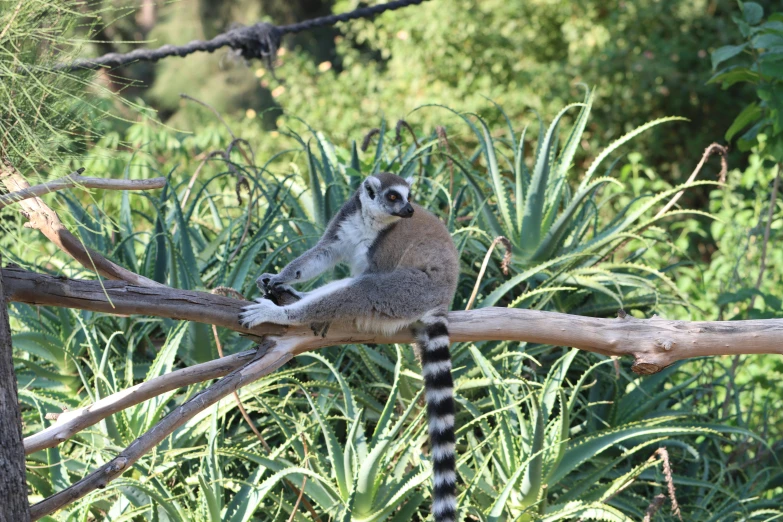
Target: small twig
[
  {"x": 214, "y": 110},
  {"x": 192, "y": 181},
  {"x": 667, "y": 473},
  {"x": 226, "y": 291},
  {"x": 655, "y": 505},
  {"x": 503, "y": 265},
  {"x": 770, "y": 216},
  {"x": 43, "y": 218},
  {"x": 13, "y": 17},
  {"x": 300, "y": 499},
  {"x": 241, "y": 180},
  {"x": 368, "y": 137},
  {"x": 767, "y": 229},
  {"x": 404, "y": 124},
  {"x": 709, "y": 151},
  {"x": 76, "y": 179},
  {"x": 443, "y": 141},
  {"x": 398, "y": 132}
]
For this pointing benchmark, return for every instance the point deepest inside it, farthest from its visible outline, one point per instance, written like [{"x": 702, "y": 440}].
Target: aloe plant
[{"x": 562, "y": 243}]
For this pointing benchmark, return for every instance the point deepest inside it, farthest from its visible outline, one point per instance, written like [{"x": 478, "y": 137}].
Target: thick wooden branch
[
  {"x": 45, "y": 219},
  {"x": 120, "y": 297},
  {"x": 75, "y": 179},
  {"x": 277, "y": 354},
  {"x": 654, "y": 343}
]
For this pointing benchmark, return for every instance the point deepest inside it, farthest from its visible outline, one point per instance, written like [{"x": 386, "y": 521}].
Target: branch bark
[
  {"x": 75, "y": 179},
  {"x": 13, "y": 481},
  {"x": 45, "y": 219}
]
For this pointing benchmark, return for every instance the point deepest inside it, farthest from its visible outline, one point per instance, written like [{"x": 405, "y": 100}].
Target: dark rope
[{"x": 256, "y": 41}]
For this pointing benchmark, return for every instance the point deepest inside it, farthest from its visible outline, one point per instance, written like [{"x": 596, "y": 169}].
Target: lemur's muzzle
[{"x": 405, "y": 212}]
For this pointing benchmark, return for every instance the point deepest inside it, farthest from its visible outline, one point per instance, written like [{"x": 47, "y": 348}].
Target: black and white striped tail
[{"x": 433, "y": 341}]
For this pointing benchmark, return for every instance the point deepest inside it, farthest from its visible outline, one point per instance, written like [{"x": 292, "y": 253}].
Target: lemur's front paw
[{"x": 262, "y": 311}]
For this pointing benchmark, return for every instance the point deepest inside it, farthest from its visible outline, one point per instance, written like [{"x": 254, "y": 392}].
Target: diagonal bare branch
[
  {"x": 275, "y": 355},
  {"x": 73, "y": 421},
  {"x": 43, "y": 218}
]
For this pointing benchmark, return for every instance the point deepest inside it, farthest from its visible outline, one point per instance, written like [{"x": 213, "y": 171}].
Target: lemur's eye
[{"x": 392, "y": 197}]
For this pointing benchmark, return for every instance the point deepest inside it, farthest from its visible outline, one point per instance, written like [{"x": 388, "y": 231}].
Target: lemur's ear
[
  {"x": 410, "y": 181},
  {"x": 372, "y": 185}
]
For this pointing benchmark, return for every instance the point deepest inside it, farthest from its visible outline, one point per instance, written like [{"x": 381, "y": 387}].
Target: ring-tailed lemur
[{"x": 404, "y": 271}]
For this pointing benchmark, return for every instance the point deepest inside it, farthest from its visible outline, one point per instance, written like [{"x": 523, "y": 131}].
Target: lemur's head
[{"x": 386, "y": 196}]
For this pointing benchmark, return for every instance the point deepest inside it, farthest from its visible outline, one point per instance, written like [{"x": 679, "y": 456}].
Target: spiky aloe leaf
[
  {"x": 336, "y": 459},
  {"x": 627, "y": 217},
  {"x": 509, "y": 285},
  {"x": 243, "y": 503},
  {"x": 572, "y": 142},
  {"x": 263, "y": 489},
  {"x": 481, "y": 201},
  {"x": 349, "y": 405},
  {"x": 495, "y": 512},
  {"x": 556, "y": 232},
  {"x": 164, "y": 499},
  {"x": 187, "y": 258},
  {"x": 534, "y": 203},
  {"x": 520, "y": 301},
  {"x": 367, "y": 474},
  {"x": 579, "y": 510},
  {"x": 521, "y": 179},
  {"x": 589, "y": 446},
  {"x": 554, "y": 381},
  {"x": 621, "y": 141},
  {"x": 587, "y": 482},
  {"x": 508, "y": 453},
  {"x": 498, "y": 183},
  {"x": 533, "y": 478},
  {"x": 399, "y": 500}
]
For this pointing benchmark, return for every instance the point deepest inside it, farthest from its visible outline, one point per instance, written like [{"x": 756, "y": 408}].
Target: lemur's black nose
[{"x": 407, "y": 211}]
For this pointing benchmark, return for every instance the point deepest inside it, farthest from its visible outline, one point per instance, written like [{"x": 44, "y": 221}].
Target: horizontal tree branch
[
  {"x": 45, "y": 219},
  {"x": 654, "y": 343},
  {"x": 75, "y": 179}
]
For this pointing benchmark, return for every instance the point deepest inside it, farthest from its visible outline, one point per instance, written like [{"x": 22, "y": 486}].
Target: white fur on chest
[{"x": 355, "y": 240}]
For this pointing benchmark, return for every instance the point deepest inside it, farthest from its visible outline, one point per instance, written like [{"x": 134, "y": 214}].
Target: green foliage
[
  {"x": 45, "y": 115},
  {"x": 346, "y": 425},
  {"x": 647, "y": 58},
  {"x": 759, "y": 62},
  {"x": 544, "y": 433}
]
